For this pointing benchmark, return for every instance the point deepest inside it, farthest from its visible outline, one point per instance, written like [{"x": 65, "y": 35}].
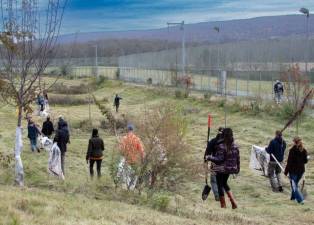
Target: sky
[{"x": 121, "y": 15}]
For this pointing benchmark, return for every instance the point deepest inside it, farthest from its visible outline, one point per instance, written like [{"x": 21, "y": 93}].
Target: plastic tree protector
[
  {"x": 259, "y": 159},
  {"x": 19, "y": 172}
]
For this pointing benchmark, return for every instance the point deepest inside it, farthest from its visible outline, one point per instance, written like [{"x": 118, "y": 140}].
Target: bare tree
[{"x": 28, "y": 37}]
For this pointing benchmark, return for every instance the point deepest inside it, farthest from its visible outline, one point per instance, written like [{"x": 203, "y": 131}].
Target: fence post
[
  {"x": 260, "y": 81},
  {"x": 236, "y": 84},
  {"x": 247, "y": 84}
]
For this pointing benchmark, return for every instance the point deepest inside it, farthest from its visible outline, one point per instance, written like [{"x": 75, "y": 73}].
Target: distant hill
[{"x": 234, "y": 30}]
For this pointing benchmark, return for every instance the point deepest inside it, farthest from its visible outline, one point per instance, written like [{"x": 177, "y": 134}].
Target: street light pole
[
  {"x": 183, "y": 44},
  {"x": 96, "y": 61},
  {"x": 306, "y": 12}
]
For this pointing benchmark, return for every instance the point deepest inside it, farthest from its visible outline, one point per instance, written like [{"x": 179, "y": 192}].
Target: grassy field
[{"x": 78, "y": 200}]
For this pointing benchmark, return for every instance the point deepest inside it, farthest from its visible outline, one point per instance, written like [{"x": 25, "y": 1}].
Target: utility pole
[
  {"x": 183, "y": 44},
  {"x": 96, "y": 61},
  {"x": 306, "y": 12}
]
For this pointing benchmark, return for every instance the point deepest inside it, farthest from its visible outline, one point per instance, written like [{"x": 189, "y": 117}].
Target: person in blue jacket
[{"x": 276, "y": 150}]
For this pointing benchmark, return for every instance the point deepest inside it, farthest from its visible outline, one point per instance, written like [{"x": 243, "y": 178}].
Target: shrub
[
  {"x": 65, "y": 70},
  {"x": 149, "y": 81},
  {"x": 60, "y": 88},
  {"x": 208, "y": 95},
  {"x": 286, "y": 111},
  {"x": 178, "y": 93},
  {"x": 160, "y": 201},
  {"x": 84, "y": 125},
  {"x": 5, "y": 160},
  {"x": 68, "y": 100},
  {"x": 162, "y": 131}
]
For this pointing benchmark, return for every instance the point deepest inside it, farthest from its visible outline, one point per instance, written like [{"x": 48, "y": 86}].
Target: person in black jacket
[
  {"x": 278, "y": 90},
  {"x": 276, "y": 148},
  {"x": 33, "y": 133},
  {"x": 95, "y": 153},
  {"x": 62, "y": 138},
  {"x": 47, "y": 129},
  {"x": 117, "y": 102},
  {"x": 211, "y": 150},
  {"x": 295, "y": 168}
]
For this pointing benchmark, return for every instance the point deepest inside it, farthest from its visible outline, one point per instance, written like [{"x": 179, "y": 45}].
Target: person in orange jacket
[{"x": 131, "y": 147}]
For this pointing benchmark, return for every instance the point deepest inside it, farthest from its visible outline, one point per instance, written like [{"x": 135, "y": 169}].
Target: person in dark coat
[
  {"x": 211, "y": 150},
  {"x": 95, "y": 153},
  {"x": 227, "y": 160},
  {"x": 278, "y": 90},
  {"x": 62, "y": 138},
  {"x": 33, "y": 133},
  {"x": 295, "y": 168},
  {"x": 41, "y": 101},
  {"x": 47, "y": 129},
  {"x": 117, "y": 102},
  {"x": 276, "y": 148}
]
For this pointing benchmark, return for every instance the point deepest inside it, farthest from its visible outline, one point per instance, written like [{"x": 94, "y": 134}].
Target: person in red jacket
[
  {"x": 295, "y": 168},
  {"x": 131, "y": 147}
]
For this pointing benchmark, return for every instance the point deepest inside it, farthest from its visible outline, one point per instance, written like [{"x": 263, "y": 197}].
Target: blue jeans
[
  {"x": 33, "y": 144},
  {"x": 295, "y": 192}
]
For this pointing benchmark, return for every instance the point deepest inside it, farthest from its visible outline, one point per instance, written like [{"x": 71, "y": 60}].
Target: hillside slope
[{"x": 78, "y": 200}]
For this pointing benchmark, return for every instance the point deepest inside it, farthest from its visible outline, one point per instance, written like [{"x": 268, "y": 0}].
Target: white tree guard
[
  {"x": 19, "y": 171},
  {"x": 259, "y": 159},
  {"x": 54, "y": 160},
  {"x": 127, "y": 175}
]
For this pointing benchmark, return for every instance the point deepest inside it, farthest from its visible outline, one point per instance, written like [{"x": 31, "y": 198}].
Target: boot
[
  {"x": 232, "y": 200},
  {"x": 222, "y": 202}
]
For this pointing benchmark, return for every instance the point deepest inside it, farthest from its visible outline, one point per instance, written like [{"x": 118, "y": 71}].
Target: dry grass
[{"x": 79, "y": 201}]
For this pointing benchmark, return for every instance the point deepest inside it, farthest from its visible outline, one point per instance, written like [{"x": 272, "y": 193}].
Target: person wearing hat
[
  {"x": 278, "y": 90},
  {"x": 211, "y": 150},
  {"x": 95, "y": 153},
  {"x": 131, "y": 147},
  {"x": 276, "y": 150},
  {"x": 47, "y": 129},
  {"x": 295, "y": 168}
]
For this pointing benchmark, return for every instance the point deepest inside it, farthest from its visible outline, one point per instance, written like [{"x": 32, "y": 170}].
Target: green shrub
[
  {"x": 149, "y": 81},
  {"x": 285, "y": 111},
  {"x": 160, "y": 201},
  {"x": 208, "y": 95},
  {"x": 179, "y": 93}
]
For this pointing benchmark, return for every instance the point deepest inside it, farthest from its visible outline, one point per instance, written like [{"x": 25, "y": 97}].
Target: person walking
[
  {"x": 41, "y": 102},
  {"x": 47, "y": 129},
  {"x": 62, "y": 138},
  {"x": 276, "y": 150},
  {"x": 278, "y": 90},
  {"x": 33, "y": 133},
  {"x": 211, "y": 150},
  {"x": 117, "y": 102},
  {"x": 131, "y": 147},
  {"x": 132, "y": 150},
  {"x": 227, "y": 160},
  {"x": 95, "y": 153},
  {"x": 295, "y": 168}
]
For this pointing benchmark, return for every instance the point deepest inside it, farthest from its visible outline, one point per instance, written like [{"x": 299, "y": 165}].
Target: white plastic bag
[
  {"x": 259, "y": 159},
  {"x": 126, "y": 174},
  {"x": 54, "y": 161},
  {"x": 19, "y": 171}
]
